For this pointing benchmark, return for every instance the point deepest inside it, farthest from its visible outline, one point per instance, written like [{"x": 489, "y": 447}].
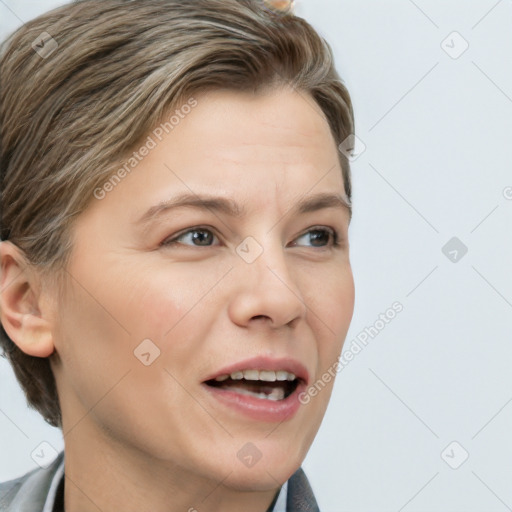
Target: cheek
[
  {"x": 99, "y": 331},
  {"x": 91, "y": 331},
  {"x": 103, "y": 323},
  {"x": 171, "y": 303},
  {"x": 331, "y": 302}
]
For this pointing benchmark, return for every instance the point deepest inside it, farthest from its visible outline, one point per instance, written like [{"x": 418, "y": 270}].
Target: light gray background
[{"x": 437, "y": 165}]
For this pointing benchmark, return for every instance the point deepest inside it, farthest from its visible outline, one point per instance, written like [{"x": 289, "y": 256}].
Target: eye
[
  {"x": 200, "y": 235},
  {"x": 318, "y": 235}
]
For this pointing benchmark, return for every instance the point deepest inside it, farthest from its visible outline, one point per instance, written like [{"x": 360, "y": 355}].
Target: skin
[{"x": 149, "y": 437}]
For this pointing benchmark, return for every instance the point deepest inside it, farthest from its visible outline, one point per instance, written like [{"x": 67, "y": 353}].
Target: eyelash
[{"x": 168, "y": 242}]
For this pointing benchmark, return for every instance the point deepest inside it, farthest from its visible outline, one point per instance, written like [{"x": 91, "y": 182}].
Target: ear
[{"x": 23, "y": 313}]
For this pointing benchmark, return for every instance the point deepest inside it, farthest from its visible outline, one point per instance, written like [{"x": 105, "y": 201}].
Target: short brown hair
[{"x": 68, "y": 117}]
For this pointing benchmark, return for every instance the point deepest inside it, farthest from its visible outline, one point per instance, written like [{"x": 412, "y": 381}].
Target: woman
[{"x": 175, "y": 265}]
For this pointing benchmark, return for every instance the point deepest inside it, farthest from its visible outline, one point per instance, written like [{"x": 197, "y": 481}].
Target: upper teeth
[{"x": 265, "y": 375}]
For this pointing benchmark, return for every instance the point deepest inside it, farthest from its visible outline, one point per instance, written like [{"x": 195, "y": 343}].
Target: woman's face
[{"x": 159, "y": 304}]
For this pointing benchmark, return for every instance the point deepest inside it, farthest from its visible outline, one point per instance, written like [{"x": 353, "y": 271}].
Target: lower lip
[{"x": 259, "y": 409}]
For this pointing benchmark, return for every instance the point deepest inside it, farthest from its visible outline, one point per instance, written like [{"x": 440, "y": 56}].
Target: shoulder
[{"x": 28, "y": 492}]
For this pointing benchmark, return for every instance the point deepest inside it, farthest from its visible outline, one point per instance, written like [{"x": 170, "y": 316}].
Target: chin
[
  {"x": 260, "y": 469},
  {"x": 260, "y": 478}
]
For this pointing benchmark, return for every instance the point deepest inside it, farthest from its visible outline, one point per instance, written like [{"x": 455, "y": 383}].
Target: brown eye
[{"x": 321, "y": 237}]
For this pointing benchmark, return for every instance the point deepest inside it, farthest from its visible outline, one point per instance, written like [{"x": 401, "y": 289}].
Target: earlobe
[
  {"x": 21, "y": 312},
  {"x": 36, "y": 337}
]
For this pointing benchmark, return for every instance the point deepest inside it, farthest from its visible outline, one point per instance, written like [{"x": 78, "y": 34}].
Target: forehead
[
  {"x": 279, "y": 135},
  {"x": 272, "y": 149},
  {"x": 229, "y": 120}
]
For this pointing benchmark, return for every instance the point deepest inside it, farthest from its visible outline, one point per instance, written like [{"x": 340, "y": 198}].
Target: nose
[{"x": 266, "y": 292}]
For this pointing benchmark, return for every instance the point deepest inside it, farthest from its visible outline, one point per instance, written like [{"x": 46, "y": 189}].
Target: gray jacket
[{"x": 29, "y": 492}]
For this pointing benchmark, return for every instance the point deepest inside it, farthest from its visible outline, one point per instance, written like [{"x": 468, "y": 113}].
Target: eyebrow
[{"x": 233, "y": 209}]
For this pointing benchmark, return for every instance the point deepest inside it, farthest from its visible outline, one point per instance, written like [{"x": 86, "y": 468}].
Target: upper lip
[{"x": 265, "y": 363}]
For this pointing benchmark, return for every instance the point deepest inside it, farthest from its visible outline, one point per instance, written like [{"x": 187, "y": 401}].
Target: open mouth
[{"x": 263, "y": 384}]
